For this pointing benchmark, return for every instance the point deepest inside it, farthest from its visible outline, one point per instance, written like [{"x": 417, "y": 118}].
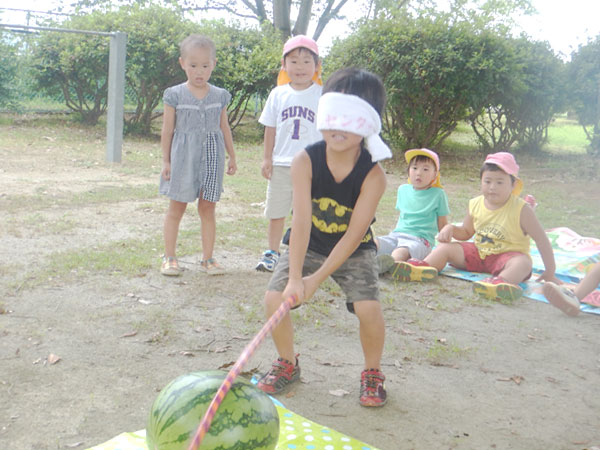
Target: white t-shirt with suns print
[{"x": 293, "y": 114}]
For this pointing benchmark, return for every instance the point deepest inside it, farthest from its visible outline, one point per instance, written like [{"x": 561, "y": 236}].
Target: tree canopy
[
  {"x": 435, "y": 72},
  {"x": 584, "y": 90},
  {"x": 77, "y": 66}
]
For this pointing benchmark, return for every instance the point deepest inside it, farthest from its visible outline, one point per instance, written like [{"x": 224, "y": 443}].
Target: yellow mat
[{"x": 295, "y": 432}]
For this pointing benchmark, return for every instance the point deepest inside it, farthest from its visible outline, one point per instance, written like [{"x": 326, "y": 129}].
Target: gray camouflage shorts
[{"x": 358, "y": 276}]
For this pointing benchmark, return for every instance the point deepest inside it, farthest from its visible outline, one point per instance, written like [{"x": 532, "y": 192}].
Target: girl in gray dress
[{"x": 195, "y": 136}]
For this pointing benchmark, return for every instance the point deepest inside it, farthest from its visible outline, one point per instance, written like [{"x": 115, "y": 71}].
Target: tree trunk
[
  {"x": 281, "y": 17},
  {"x": 301, "y": 25}
]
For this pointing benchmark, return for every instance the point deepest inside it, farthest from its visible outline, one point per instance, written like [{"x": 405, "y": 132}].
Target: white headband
[{"x": 345, "y": 112}]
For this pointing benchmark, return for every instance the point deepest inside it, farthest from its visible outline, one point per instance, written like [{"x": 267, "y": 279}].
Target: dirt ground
[{"x": 84, "y": 353}]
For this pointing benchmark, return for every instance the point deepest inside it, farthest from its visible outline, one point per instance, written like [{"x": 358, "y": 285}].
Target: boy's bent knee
[
  {"x": 364, "y": 307},
  {"x": 272, "y": 301}
]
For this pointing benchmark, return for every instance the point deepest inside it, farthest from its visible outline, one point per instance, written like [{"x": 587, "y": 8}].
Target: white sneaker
[
  {"x": 562, "y": 298},
  {"x": 268, "y": 261}
]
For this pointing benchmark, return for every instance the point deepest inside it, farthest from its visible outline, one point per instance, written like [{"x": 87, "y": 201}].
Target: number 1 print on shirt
[{"x": 296, "y": 132}]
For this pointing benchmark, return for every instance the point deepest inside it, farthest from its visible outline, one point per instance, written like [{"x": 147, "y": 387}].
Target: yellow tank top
[{"x": 498, "y": 231}]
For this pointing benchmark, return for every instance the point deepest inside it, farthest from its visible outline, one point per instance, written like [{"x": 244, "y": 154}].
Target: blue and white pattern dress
[{"x": 198, "y": 147}]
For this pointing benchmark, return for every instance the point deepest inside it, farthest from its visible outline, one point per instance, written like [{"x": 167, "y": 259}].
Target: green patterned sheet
[
  {"x": 574, "y": 255},
  {"x": 295, "y": 432}
]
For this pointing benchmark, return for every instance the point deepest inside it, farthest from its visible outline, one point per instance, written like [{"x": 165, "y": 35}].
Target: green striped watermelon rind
[{"x": 246, "y": 419}]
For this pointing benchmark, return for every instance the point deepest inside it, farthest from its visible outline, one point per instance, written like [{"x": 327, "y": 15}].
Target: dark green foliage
[
  {"x": 521, "y": 104},
  {"x": 435, "y": 72},
  {"x": 248, "y": 61},
  {"x": 584, "y": 91},
  {"x": 8, "y": 70},
  {"x": 75, "y": 65},
  {"x": 153, "y": 37}
]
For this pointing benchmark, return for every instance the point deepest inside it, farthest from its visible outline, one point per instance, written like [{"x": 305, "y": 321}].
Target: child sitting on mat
[
  {"x": 337, "y": 185},
  {"x": 568, "y": 300},
  {"x": 424, "y": 210},
  {"x": 502, "y": 225}
]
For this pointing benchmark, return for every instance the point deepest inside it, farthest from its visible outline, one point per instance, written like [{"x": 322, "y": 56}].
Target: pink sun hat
[
  {"x": 300, "y": 41},
  {"x": 506, "y": 161},
  {"x": 410, "y": 154}
]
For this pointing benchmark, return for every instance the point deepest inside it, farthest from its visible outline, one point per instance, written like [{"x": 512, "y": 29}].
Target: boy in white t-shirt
[{"x": 289, "y": 119}]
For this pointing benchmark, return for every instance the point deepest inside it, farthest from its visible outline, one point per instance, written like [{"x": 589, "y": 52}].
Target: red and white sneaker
[
  {"x": 414, "y": 270},
  {"x": 372, "y": 389},
  {"x": 496, "y": 288},
  {"x": 282, "y": 374},
  {"x": 561, "y": 297}
]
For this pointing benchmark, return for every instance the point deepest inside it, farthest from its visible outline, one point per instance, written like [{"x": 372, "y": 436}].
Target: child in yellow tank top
[{"x": 501, "y": 225}]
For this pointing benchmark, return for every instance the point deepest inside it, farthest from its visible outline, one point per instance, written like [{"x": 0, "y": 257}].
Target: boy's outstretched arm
[
  {"x": 462, "y": 232},
  {"x": 371, "y": 192},
  {"x": 301, "y": 172},
  {"x": 532, "y": 227}
]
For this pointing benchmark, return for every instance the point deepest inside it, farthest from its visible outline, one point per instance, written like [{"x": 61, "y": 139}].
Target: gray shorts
[
  {"x": 358, "y": 276},
  {"x": 279, "y": 193},
  {"x": 418, "y": 247}
]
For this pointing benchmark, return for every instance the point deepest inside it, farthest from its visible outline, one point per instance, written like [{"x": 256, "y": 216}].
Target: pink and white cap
[
  {"x": 300, "y": 41},
  {"x": 506, "y": 161}
]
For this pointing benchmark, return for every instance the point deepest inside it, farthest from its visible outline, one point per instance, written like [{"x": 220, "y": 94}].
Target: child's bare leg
[
  {"x": 206, "y": 211},
  {"x": 171, "y": 226},
  {"x": 516, "y": 269},
  {"x": 275, "y": 233},
  {"x": 401, "y": 254},
  {"x": 283, "y": 334},
  {"x": 372, "y": 331},
  {"x": 446, "y": 253},
  {"x": 589, "y": 282}
]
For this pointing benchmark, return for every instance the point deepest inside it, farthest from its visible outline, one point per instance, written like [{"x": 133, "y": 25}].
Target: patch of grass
[
  {"x": 566, "y": 136},
  {"x": 249, "y": 131},
  {"x": 98, "y": 195},
  {"x": 158, "y": 324},
  {"x": 445, "y": 353},
  {"x": 250, "y": 235},
  {"x": 563, "y": 178},
  {"x": 251, "y": 314},
  {"x": 124, "y": 258}
]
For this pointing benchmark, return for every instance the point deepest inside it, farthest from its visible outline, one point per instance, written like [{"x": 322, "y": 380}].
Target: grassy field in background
[{"x": 558, "y": 176}]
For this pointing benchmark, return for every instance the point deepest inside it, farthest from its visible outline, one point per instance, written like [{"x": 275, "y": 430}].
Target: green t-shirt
[{"x": 419, "y": 211}]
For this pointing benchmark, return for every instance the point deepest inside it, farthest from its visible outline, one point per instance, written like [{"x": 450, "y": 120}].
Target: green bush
[
  {"x": 528, "y": 93},
  {"x": 248, "y": 61},
  {"x": 153, "y": 37},
  {"x": 77, "y": 65},
  {"x": 74, "y": 65},
  {"x": 584, "y": 91},
  {"x": 435, "y": 72},
  {"x": 8, "y": 70}
]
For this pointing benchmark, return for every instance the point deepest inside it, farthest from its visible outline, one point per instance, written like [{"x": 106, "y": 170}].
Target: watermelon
[{"x": 246, "y": 419}]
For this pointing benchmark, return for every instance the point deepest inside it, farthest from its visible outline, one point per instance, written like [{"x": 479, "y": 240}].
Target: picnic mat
[
  {"x": 573, "y": 254},
  {"x": 295, "y": 432}
]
